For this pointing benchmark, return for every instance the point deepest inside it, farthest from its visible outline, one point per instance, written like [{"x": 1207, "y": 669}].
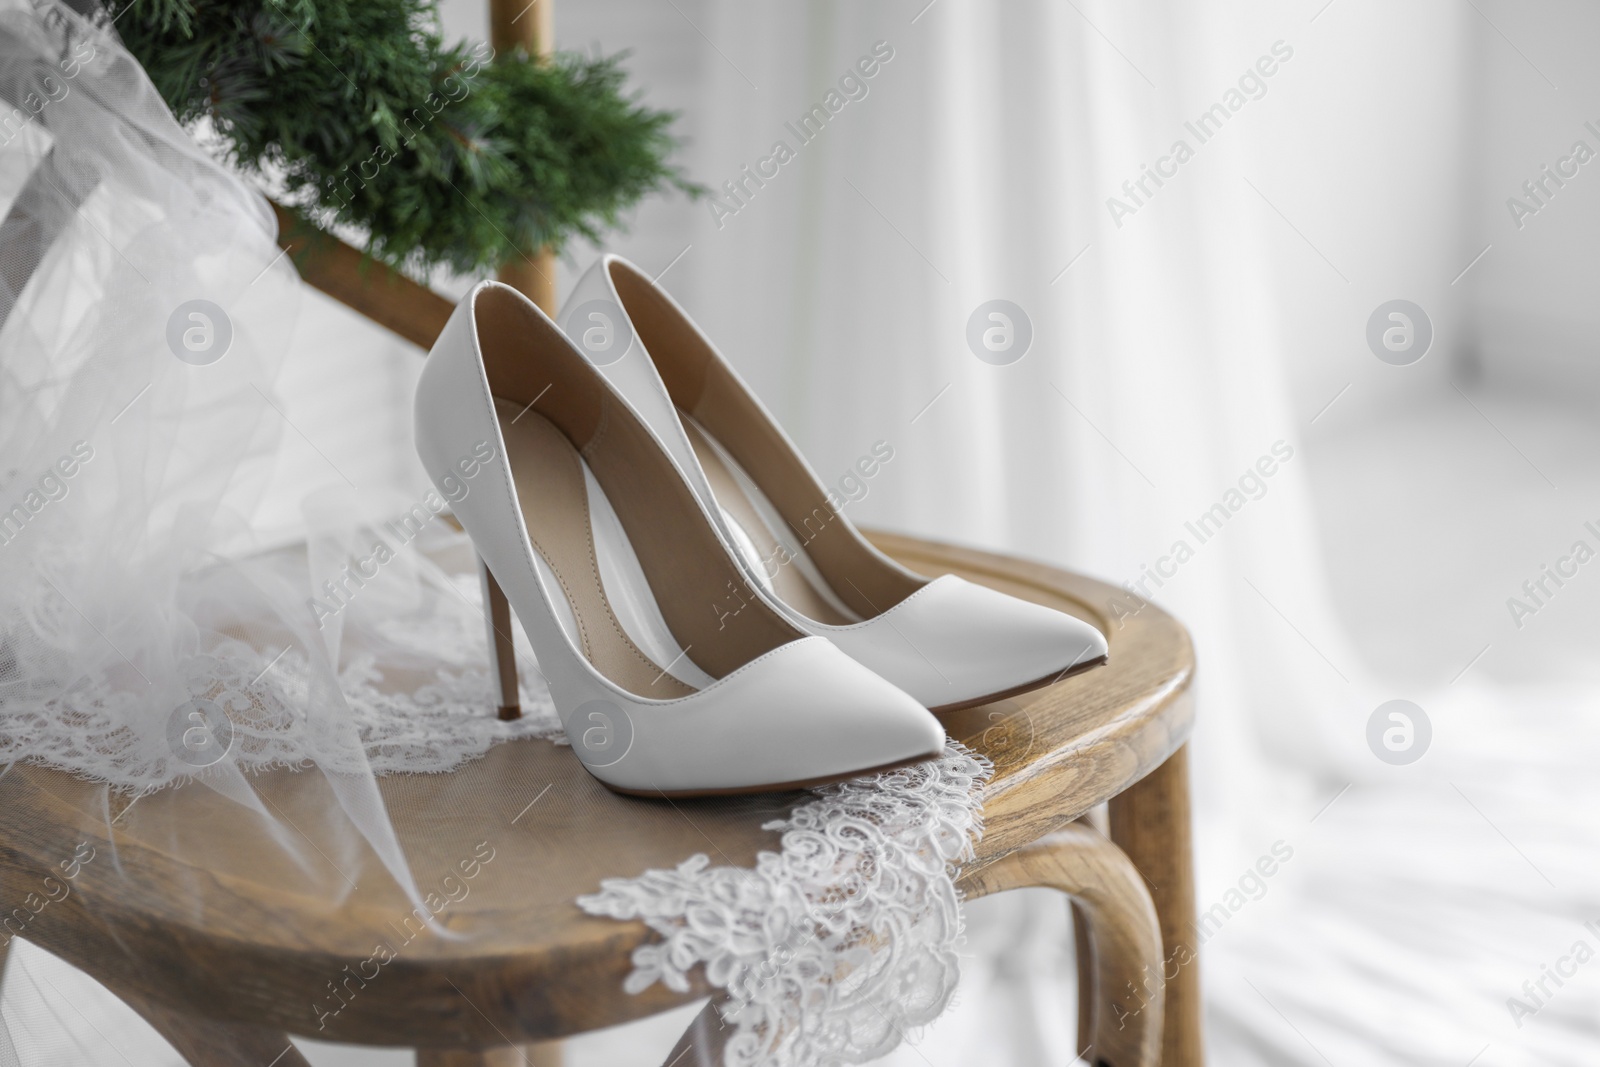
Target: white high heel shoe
[
  {"x": 947, "y": 642},
  {"x": 615, "y": 571}
]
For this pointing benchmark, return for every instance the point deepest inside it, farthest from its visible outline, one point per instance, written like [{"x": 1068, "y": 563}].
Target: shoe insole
[
  {"x": 772, "y": 547},
  {"x": 605, "y": 604}
]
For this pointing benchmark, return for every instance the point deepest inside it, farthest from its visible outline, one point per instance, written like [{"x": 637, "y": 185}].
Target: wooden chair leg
[
  {"x": 542, "y": 1054},
  {"x": 1120, "y": 1006},
  {"x": 205, "y": 1043},
  {"x": 1123, "y": 986},
  {"x": 202, "y": 1042},
  {"x": 1150, "y": 822},
  {"x": 1098, "y": 819},
  {"x": 1083, "y": 954},
  {"x": 702, "y": 1043}
]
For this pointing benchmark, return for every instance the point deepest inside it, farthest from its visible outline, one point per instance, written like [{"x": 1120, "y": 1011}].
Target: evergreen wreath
[{"x": 440, "y": 156}]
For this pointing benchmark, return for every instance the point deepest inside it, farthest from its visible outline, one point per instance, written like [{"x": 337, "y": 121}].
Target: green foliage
[{"x": 438, "y": 154}]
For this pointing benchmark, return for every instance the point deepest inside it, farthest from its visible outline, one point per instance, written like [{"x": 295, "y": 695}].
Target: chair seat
[{"x": 243, "y": 939}]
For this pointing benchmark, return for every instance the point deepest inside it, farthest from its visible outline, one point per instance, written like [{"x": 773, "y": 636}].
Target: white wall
[
  {"x": 1534, "y": 307},
  {"x": 346, "y": 386}
]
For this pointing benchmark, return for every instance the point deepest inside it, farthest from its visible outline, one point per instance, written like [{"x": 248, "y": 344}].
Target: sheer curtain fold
[
  {"x": 1182, "y": 346},
  {"x": 977, "y": 168}
]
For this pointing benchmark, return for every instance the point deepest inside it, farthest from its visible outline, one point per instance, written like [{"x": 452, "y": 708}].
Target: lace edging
[{"x": 831, "y": 947}]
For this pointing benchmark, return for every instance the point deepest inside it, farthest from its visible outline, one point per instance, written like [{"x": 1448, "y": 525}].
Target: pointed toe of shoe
[
  {"x": 955, "y": 643},
  {"x": 889, "y": 727},
  {"x": 1003, "y": 644},
  {"x": 801, "y": 715},
  {"x": 1053, "y": 639},
  {"x": 851, "y": 720}
]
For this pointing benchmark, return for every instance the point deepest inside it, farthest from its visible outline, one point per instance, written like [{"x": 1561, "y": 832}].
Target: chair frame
[{"x": 1131, "y": 886}]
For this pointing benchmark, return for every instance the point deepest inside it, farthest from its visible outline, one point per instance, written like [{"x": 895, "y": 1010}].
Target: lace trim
[
  {"x": 408, "y": 709},
  {"x": 830, "y": 948}
]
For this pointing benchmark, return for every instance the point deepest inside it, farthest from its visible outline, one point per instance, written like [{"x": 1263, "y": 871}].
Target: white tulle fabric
[
  {"x": 836, "y": 944},
  {"x": 135, "y": 605},
  {"x": 431, "y": 728}
]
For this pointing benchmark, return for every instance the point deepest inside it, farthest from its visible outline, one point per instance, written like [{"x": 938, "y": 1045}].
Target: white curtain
[
  {"x": 1217, "y": 325},
  {"x": 977, "y": 167}
]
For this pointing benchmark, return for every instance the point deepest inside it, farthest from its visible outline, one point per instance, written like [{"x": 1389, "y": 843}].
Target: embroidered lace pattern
[
  {"x": 837, "y": 943},
  {"x": 413, "y": 694}
]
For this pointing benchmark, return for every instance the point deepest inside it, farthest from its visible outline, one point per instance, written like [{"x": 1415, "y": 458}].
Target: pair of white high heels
[{"x": 706, "y": 621}]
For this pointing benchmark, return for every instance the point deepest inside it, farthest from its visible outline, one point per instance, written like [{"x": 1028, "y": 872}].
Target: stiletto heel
[
  {"x": 615, "y": 571},
  {"x": 502, "y": 652}
]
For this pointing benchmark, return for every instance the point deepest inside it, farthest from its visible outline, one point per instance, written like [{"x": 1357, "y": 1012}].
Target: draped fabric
[{"x": 1199, "y": 415}]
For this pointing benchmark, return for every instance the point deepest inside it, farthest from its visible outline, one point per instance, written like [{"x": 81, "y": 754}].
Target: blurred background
[{"x": 1181, "y": 330}]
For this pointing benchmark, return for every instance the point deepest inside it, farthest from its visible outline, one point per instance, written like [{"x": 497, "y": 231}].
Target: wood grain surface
[
  {"x": 244, "y": 936},
  {"x": 1123, "y": 998},
  {"x": 378, "y": 292}
]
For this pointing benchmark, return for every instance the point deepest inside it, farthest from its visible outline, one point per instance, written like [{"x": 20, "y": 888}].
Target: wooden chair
[
  {"x": 232, "y": 963},
  {"x": 227, "y": 958},
  {"x": 229, "y": 963}
]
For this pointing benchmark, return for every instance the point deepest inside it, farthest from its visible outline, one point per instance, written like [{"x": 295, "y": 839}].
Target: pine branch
[{"x": 437, "y": 154}]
